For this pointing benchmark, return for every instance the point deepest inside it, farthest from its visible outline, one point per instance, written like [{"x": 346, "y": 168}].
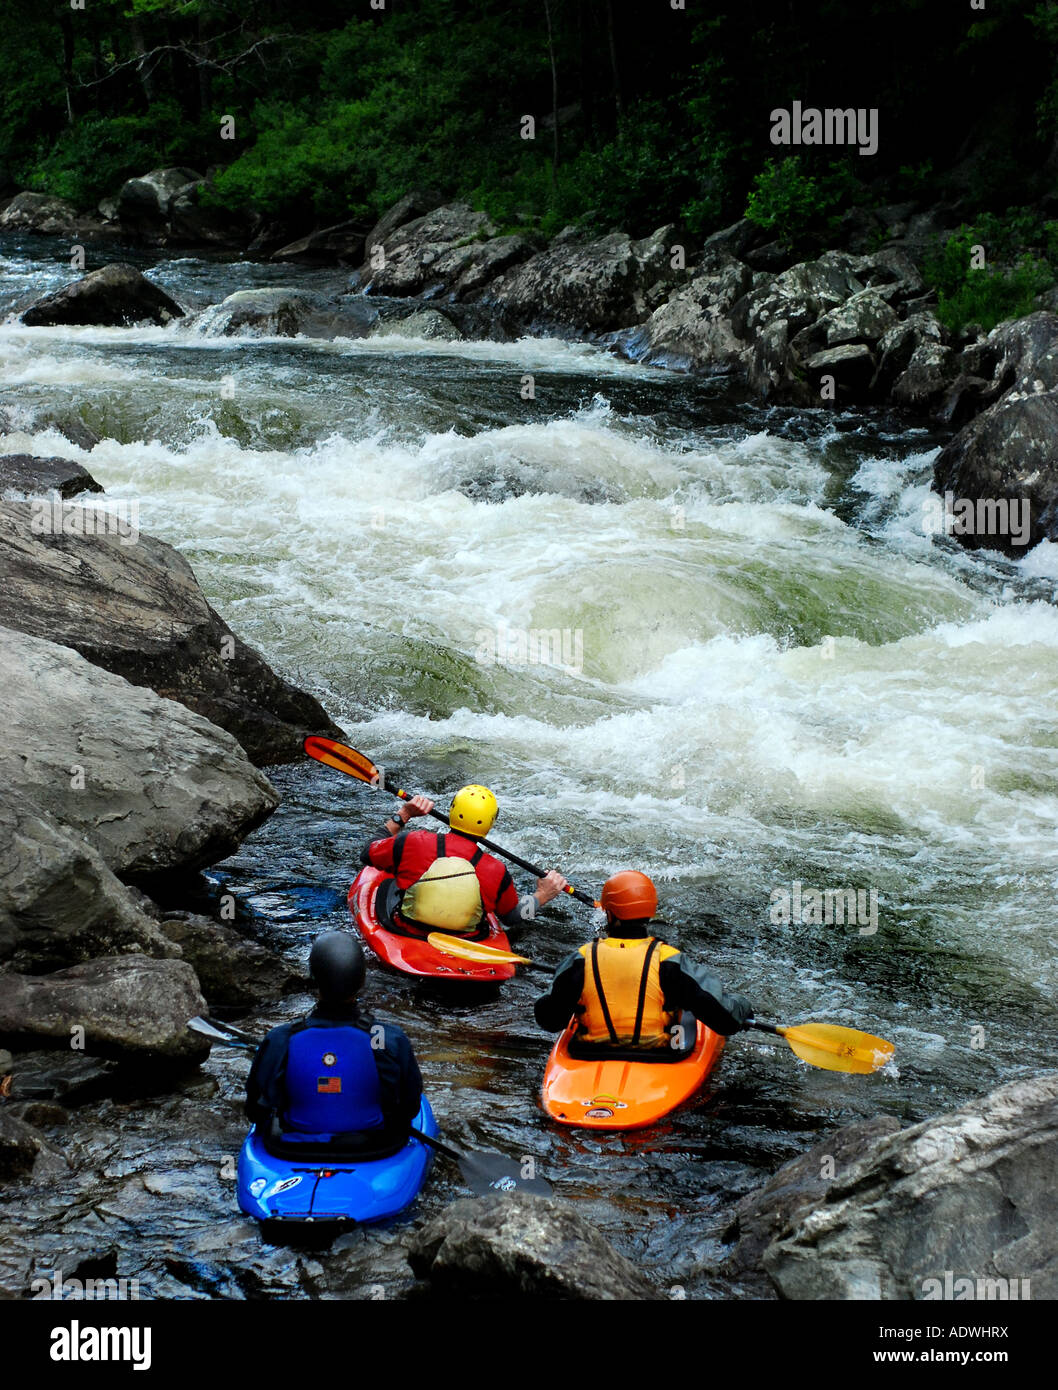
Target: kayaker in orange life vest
[
  {"x": 447, "y": 882},
  {"x": 629, "y": 990}
]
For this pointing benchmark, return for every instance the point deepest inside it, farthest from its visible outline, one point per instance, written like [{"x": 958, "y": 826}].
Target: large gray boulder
[
  {"x": 799, "y": 296},
  {"x": 35, "y": 477},
  {"x": 232, "y": 970},
  {"x": 39, "y": 212},
  {"x": 693, "y": 328},
  {"x": 116, "y": 297},
  {"x": 276, "y": 312},
  {"x": 149, "y": 784},
  {"x": 796, "y": 1189},
  {"x": 967, "y": 1195},
  {"x": 133, "y": 606},
  {"x": 452, "y": 251},
  {"x": 125, "y": 1005},
  {"x": 415, "y": 204},
  {"x": 342, "y": 244},
  {"x": 597, "y": 286},
  {"x": 522, "y": 1246},
  {"x": 425, "y": 323},
  {"x": 144, "y": 202},
  {"x": 59, "y": 902},
  {"x": 1006, "y": 456}
]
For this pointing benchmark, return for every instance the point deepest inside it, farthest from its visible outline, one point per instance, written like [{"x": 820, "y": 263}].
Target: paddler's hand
[
  {"x": 418, "y": 806},
  {"x": 550, "y": 886}
]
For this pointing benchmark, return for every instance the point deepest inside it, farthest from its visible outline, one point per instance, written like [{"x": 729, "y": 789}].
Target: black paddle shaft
[{"x": 580, "y": 896}]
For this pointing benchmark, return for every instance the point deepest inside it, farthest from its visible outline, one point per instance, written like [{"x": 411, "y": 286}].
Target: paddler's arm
[
  {"x": 690, "y": 986},
  {"x": 554, "y": 1009},
  {"x": 514, "y": 912},
  {"x": 380, "y": 853},
  {"x": 265, "y": 1082},
  {"x": 398, "y": 1074}
]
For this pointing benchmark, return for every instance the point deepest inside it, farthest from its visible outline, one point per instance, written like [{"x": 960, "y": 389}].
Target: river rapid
[{"x": 766, "y": 673}]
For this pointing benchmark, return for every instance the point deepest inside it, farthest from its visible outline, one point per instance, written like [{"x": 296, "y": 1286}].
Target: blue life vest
[{"x": 332, "y": 1084}]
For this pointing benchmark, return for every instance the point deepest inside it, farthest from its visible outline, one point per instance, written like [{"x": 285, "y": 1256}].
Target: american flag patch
[{"x": 330, "y": 1085}]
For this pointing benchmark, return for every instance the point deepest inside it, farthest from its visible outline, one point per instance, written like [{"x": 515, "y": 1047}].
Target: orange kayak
[{"x": 612, "y": 1093}]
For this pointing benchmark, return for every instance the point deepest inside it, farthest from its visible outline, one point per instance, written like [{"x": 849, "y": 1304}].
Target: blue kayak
[{"x": 296, "y": 1190}]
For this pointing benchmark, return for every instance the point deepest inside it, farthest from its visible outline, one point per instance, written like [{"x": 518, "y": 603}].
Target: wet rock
[
  {"x": 124, "y": 1004},
  {"x": 277, "y": 312},
  {"x": 413, "y": 205},
  {"x": 39, "y": 212},
  {"x": 595, "y": 286},
  {"x": 927, "y": 378},
  {"x": 693, "y": 329},
  {"x": 232, "y": 970},
  {"x": 149, "y": 784},
  {"x": 1019, "y": 355},
  {"x": 342, "y": 244},
  {"x": 899, "y": 344},
  {"x": 797, "y": 1188},
  {"x": 970, "y": 1194},
  {"x": 891, "y": 273},
  {"x": 59, "y": 902},
  {"x": 852, "y": 368},
  {"x": 116, "y": 296},
  {"x": 136, "y": 609},
  {"x": 34, "y": 477},
  {"x": 863, "y": 318},
  {"x": 1004, "y": 456},
  {"x": 70, "y": 1078},
  {"x": 522, "y": 1246},
  {"x": 730, "y": 243},
  {"x": 20, "y": 1147},
  {"x": 452, "y": 252},
  {"x": 144, "y": 202},
  {"x": 426, "y": 323},
  {"x": 798, "y": 297}
]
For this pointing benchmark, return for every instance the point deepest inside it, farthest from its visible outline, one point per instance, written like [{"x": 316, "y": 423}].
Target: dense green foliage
[
  {"x": 1016, "y": 269},
  {"x": 663, "y": 114}
]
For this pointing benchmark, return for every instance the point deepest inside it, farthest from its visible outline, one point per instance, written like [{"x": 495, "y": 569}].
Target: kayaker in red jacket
[
  {"x": 445, "y": 881},
  {"x": 629, "y": 990}
]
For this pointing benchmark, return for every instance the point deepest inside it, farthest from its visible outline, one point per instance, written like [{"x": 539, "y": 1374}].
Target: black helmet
[{"x": 336, "y": 964}]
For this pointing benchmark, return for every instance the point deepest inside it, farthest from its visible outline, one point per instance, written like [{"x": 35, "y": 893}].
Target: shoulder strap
[
  {"x": 643, "y": 982},
  {"x": 599, "y": 990},
  {"x": 475, "y": 858},
  {"x": 440, "y": 844}
]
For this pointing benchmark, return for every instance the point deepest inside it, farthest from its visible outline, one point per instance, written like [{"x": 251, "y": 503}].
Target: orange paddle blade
[{"x": 343, "y": 758}]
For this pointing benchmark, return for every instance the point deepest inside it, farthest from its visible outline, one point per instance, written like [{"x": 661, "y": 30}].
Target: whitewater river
[{"x": 773, "y": 674}]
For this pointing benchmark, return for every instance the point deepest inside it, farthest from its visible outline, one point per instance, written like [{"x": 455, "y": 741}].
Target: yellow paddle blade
[
  {"x": 834, "y": 1048},
  {"x": 345, "y": 759},
  {"x": 474, "y": 950}
]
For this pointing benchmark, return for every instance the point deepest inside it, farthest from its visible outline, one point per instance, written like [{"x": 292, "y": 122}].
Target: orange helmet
[{"x": 629, "y": 895}]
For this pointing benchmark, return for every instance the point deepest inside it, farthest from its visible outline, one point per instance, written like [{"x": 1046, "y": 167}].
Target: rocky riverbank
[{"x": 852, "y": 327}]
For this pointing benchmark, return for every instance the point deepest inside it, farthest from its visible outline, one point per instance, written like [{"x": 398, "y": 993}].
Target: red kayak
[{"x": 410, "y": 954}]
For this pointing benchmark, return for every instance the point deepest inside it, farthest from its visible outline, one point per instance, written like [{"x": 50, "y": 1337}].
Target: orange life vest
[{"x": 623, "y": 1002}]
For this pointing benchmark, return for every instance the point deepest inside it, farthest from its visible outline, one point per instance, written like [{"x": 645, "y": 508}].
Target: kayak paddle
[
  {"x": 824, "y": 1045},
  {"x": 480, "y": 953},
  {"x": 345, "y": 759},
  {"x": 483, "y": 1170},
  {"x": 830, "y": 1046}
]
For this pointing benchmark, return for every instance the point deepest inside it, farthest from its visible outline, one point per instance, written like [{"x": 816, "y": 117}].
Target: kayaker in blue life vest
[
  {"x": 629, "y": 990},
  {"x": 337, "y": 1077},
  {"x": 446, "y": 881}
]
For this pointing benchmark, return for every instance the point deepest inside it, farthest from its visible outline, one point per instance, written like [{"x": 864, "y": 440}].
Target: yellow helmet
[{"x": 473, "y": 810}]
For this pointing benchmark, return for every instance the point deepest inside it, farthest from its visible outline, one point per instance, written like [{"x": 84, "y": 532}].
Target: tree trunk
[
  {"x": 614, "y": 70},
  {"x": 554, "y": 94},
  {"x": 139, "y": 47},
  {"x": 67, "y": 62}
]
